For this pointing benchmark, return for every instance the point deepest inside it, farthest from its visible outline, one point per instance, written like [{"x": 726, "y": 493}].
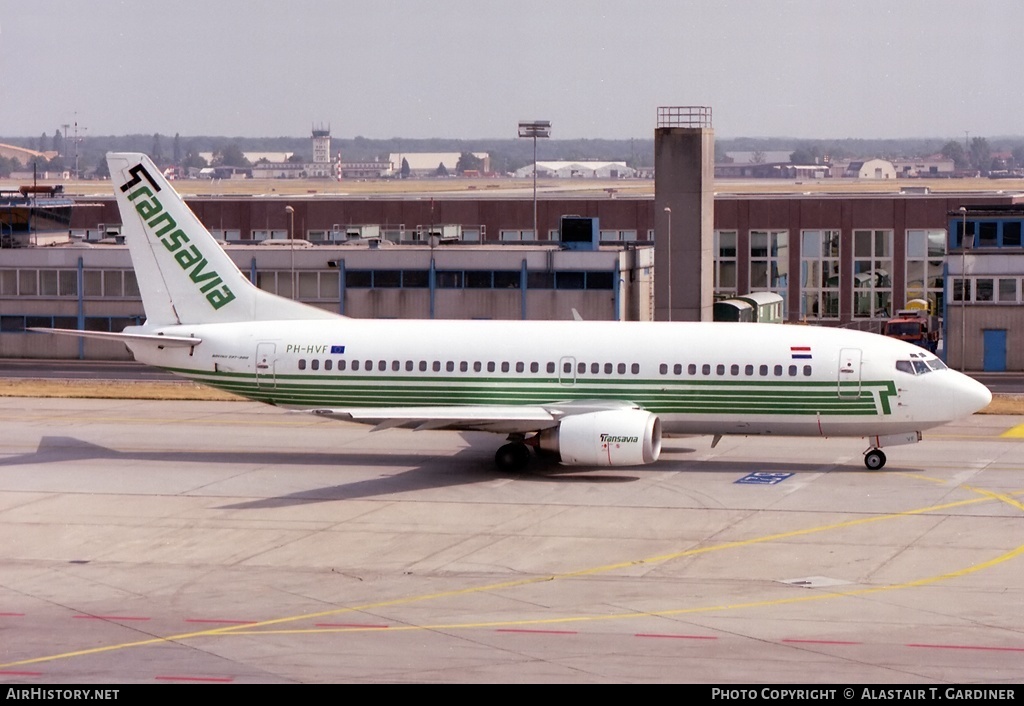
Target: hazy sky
[{"x": 474, "y": 68}]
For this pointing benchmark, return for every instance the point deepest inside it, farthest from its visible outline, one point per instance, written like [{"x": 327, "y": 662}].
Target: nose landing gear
[{"x": 874, "y": 459}]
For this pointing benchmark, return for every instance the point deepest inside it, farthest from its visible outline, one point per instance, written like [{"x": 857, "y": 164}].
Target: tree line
[{"x": 87, "y": 154}]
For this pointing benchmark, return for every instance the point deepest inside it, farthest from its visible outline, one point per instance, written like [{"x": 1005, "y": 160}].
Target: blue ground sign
[{"x": 764, "y": 478}]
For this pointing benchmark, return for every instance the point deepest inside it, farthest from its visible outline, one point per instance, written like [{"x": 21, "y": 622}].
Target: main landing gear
[{"x": 874, "y": 459}]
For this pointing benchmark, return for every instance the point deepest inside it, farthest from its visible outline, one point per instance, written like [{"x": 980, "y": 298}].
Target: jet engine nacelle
[{"x": 619, "y": 437}]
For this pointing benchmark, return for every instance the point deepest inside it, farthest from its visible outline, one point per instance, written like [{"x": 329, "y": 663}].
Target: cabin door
[
  {"x": 849, "y": 372},
  {"x": 266, "y": 360}
]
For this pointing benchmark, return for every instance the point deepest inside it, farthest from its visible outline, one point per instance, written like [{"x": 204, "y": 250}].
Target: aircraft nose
[{"x": 972, "y": 395}]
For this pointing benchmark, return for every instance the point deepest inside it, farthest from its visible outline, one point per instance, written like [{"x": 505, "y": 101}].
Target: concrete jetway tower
[{"x": 684, "y": 209}]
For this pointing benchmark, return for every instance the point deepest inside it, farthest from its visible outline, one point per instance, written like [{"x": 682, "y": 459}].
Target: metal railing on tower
[{"x": 684, "y": 116}]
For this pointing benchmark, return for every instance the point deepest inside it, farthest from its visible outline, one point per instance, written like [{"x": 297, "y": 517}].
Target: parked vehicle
[{"x": 916, "y": 326}]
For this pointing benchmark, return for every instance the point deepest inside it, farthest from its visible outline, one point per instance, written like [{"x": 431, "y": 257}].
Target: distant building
[
  {"x": 759, "y": 156},
  {"x": 427, "y": 163},
  {"x": 578, "y": 170},
  {"x": 322, "y": 145},
  {"x": 278, "y": 165},
  {"x": 278, "y": 170},
  {"x": 934, "y": 166},
  {"x": 365, "y": 170},
  {"x": 224, "y": 172},
  {"x": 868, "y": 169},
  {"x": 254, "y": 157},
  {"x": 773, "y": 170}
]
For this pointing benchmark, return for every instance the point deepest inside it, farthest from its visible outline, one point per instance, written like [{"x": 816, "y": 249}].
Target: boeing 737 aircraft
[{"x": 592, "y": 393}]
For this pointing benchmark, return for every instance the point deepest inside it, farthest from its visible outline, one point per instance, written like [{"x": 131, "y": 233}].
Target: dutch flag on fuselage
[{"x": 800, "y": 352}]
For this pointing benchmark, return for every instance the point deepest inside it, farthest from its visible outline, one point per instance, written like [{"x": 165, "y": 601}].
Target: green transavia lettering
[
  {"x": 188, "y": 256},
  {"x": 609, "y": 439}
]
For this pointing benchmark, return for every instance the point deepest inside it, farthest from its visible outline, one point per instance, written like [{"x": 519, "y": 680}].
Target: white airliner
[{"x": 592, "y": 393}]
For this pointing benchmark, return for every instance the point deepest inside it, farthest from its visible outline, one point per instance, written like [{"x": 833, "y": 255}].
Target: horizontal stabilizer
[{"x": 154, "y": 338}]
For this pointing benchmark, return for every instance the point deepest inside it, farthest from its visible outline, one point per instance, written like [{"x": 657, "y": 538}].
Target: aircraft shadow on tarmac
[{"x": 424, "y": 472}]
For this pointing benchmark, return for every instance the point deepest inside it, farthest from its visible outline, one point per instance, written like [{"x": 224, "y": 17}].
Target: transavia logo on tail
[{"x": 174, "y": 239}]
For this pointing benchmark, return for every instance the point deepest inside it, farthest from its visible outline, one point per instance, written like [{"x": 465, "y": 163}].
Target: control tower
[
  {"x": 322, "y": 145},
  {"x": 684, "y": 209}
]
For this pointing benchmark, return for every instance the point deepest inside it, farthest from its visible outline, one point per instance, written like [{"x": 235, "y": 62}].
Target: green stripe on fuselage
[{"x": 658, "y": 395}]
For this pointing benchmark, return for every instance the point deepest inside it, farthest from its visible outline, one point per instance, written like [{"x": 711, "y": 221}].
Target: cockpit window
[
  {"x": 936, "y": 364},
  {"x": 915, "y": 366}
]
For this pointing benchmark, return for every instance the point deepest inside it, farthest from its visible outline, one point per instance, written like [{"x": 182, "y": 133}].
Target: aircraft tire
[
  {"x": 874, "y": 459},
  {"x": 512, "y": 457}
]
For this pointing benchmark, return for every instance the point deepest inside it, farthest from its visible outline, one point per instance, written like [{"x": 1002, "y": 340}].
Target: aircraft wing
[{"x": 503, "y": 419}]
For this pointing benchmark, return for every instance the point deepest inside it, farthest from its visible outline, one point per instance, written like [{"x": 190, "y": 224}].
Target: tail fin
[{"x": 184, "y": 275}]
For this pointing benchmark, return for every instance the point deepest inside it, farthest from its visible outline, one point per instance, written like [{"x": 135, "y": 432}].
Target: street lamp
[
  {"x": 535, "y": 129},
  {"x": 963, "y": 290},
  {"x": 291, "y": 243},
  {"x": 669, "y": 212}
]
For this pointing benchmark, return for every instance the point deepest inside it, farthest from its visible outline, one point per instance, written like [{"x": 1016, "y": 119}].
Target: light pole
[
  {"x": 963, "y": 290},
  {"x": 535, "y": 129},
  {"x": 668, "y": 211},
  {"x": 291, "y": 243}
]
